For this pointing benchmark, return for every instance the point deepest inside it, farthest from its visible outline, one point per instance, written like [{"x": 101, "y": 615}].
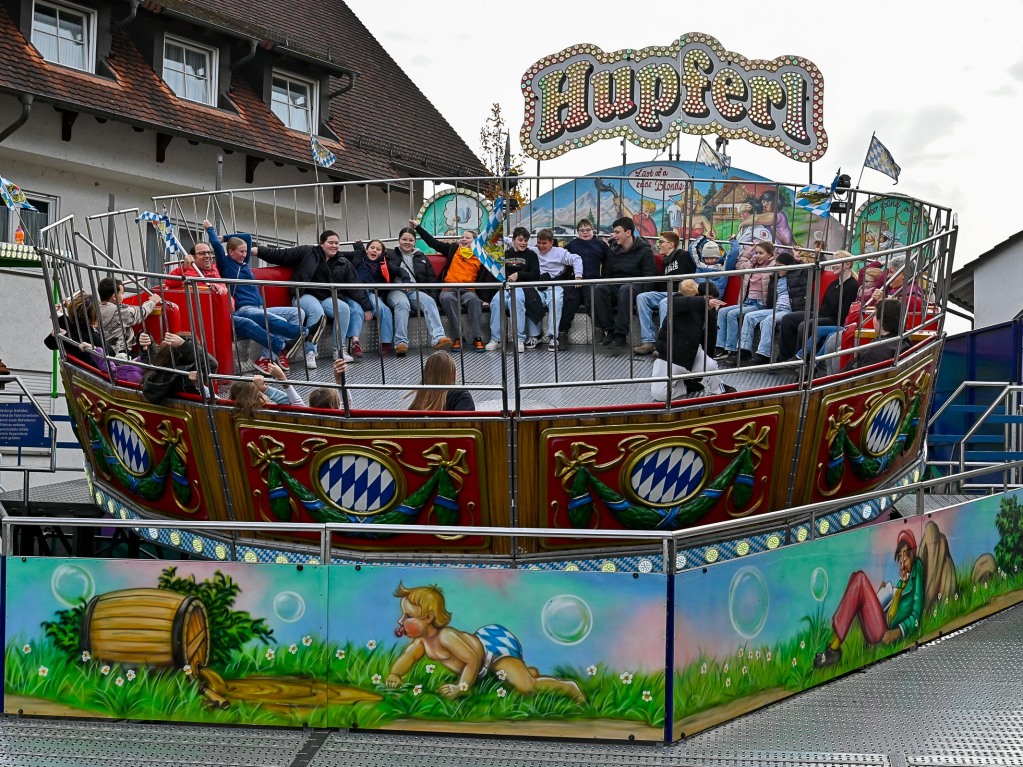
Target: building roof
[
  {"x": 385, "y": 126},
  {"x": 961, "y": 284}
]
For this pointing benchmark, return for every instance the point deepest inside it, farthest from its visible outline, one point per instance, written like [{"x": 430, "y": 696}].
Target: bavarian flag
[
  {"x": 816, "y": 198},
  {"x": 321, "y": 155},
  {"x": 13, "y": 197}
]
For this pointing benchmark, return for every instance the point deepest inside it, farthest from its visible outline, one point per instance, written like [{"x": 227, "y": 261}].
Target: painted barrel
[{"x": 147, "y": 627}]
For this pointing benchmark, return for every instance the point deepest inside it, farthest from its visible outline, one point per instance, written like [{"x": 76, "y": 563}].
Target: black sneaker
[
  {"x": 721, "y": 353},
  {"x": 729, "y": 389},
  {"x": 293, "y": 347},
  {"x": 562, "y": 339},
  {"x": 619, "y": 342},
  {"x": 760, "y": 359},
  {"x": 316, "y": 332},
  {"x": 608, "y": 338}
]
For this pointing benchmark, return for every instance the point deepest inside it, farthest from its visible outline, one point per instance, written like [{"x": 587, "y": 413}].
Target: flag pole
[{"x": 864, "y": 166}]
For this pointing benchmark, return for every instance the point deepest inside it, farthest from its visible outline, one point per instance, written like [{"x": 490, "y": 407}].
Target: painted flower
[
  {"x": 119, "y": 682},
  {"x": 86, "y": 657},
  {"x": 728, "y": 681},
  {"x": 626, "y": 677},
  {"x": 758, "y": 654},
  {"x": 793, "y": 663},
  {"x": 293, "y": 648},
  {"x": 502, "y": 674},
  {"x": 26, "y": 649},
  {"x": 725, "y": 668},
  {"x": 647, "y": 696},
  {"x": 430, "y": 668},
  {"x": 104, "y": 670},
  {"x": 768, "y": 656},
  {"x": 417, "y": 690},
  {"x": 591, "y": 670},
  {"x": 43, "y": 671},
  {"x": 270, "y": 653},
  {"x": 307, "y": 641},
  {"x": 740, "y": 653},
  {"x": 376, "y": 679},
  {"x": 371, "y": 644},
  {"x": 187, "y": 669},
  {"x": 703, "y": 669},
  {"x": 463, "y": 686},
  {"x": 745, "y": 671},
  {"x": 802, "y": 644},
  {"x": 501, "y": 692},
  {"x": 340, "y": 655},
  {"x": 130, "y": 674}
]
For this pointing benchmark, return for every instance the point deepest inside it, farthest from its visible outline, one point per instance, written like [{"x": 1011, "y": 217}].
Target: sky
[{"x": 932, "y": 79}]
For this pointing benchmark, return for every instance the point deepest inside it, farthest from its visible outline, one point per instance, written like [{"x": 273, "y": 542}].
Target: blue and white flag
[
  {"x": 707, "y": 156},
  {"x": 879, "y": 158},
  {"x": 321, "y": 155},
  {"x": 816, "y": 198},
  {"x": 494, "y": 266},
  {"x": 165, "y": 228},
  {"x": 13, "y": 197}
]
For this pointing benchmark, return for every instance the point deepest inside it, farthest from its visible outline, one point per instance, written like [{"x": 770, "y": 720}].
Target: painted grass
[
  {"x": 709, "y": 682},
  {"x": 170, "y": 694}
]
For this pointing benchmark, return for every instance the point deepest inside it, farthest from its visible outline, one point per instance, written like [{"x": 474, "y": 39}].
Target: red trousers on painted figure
[{"x": 860, "y": 600}]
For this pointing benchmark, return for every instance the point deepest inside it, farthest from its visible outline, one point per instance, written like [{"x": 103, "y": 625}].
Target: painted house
[{"x": 110, "y": 103}]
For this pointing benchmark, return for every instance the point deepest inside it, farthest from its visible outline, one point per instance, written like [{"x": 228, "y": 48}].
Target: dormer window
[
  {"x": 190, "y": 70},
  {"x": 293, "y": 99},
  {"x": 65, "y": 34}
]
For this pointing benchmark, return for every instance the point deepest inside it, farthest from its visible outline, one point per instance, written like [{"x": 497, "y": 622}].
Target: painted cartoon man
[
  {"x": 425, "y": 620},
  {"x": 886, "y": 616}
]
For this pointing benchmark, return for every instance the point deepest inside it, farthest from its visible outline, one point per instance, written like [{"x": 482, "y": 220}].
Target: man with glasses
[{"x": 594, "y": 252}]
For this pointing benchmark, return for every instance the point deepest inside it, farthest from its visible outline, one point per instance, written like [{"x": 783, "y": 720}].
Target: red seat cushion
[{"x": 275, "y": 296}]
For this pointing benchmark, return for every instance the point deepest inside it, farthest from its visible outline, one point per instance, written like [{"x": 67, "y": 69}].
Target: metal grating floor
[
  {"x": 537, "y": 367},
  {"x": 952, "y": 703}
]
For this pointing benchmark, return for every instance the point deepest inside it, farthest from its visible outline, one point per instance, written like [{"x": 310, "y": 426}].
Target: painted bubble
[
  {"x": 72, "y": 585},
  {"x": 748, "y": 602},
  {"x": 566, "y": 619},
  {"x": 819, "y": 583},
  {"x": 289, "y": 606}
]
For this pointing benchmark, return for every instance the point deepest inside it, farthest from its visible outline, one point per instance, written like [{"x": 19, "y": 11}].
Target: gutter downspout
[
  {"x": 130, "y": 17},
  {"x": 253, "y": 44},
  {"x": 26, "y": 109}
]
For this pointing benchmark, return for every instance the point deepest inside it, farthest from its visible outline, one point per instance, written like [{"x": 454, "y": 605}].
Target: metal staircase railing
[{"x": 990, "y": 415}]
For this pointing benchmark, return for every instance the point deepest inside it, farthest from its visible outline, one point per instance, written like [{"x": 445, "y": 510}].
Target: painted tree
[{"x": 1009, "y": 549}]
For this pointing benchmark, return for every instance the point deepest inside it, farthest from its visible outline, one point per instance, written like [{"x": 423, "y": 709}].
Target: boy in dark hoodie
[{"x": 631, "y": 257}]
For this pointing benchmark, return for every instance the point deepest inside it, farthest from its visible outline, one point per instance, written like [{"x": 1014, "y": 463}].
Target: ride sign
[{"x": 651, "y": 95}]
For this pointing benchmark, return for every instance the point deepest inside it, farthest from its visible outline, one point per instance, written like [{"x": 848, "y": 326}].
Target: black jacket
[
  {"x": 691, "y": 320},
  {"x": 459, "y": 399},
  {"x": 836, "y": 301},
  {"x": 637, "y": 261},
  {"x": 677, "y": 263},
  {"x": 797, "y": 281}
]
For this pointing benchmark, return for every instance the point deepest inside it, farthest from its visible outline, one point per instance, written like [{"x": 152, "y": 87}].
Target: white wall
[{"x": 996, "y": 287}]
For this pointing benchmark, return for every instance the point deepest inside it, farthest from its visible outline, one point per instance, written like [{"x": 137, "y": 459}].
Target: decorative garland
[
  {"x": 151, "y": 486},
  {"x": 841, "y": 447}
]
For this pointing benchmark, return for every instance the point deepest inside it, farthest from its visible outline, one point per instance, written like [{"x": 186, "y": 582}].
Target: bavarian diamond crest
[
  {"x": 884, "y": 427},
  {"x": 667, "y": 475},
  {"x": 129, "y": 446},
  {"x": 357, "y": 482}
]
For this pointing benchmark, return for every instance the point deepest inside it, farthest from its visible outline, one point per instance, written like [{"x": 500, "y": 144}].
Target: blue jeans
[
  {"x": 252, "y": 324},
  {"x": 314, "y": 309},
  {"x": 765, "y": 319},
  {"x": 357, "y": 318},
  {"x": 728, "y": 323},
  {"x": 402, "y": 302},
  {"x": 823, "y": 331},
  {"x": 646, "y": 303}
]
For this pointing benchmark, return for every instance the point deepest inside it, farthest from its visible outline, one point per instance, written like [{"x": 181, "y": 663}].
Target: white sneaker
[
  {"x": 521, "y": 347},
  {"x": 346, "y": 357},
  {"x": 532, "y": 342},
  {"x": 310, "y": 360},
  {"x": 492, "y": 346}
]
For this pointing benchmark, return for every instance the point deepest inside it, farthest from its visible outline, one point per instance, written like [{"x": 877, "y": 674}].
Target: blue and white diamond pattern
[
  {"x": 357, "y": 482},
  {"x": 668, "y": 475},
  {"x": 130, "y": 447},
  {"x": 884, "y": 427}
]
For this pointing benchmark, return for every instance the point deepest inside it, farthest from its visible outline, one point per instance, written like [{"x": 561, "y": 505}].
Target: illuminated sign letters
[{"x": 583, "y": 94}]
